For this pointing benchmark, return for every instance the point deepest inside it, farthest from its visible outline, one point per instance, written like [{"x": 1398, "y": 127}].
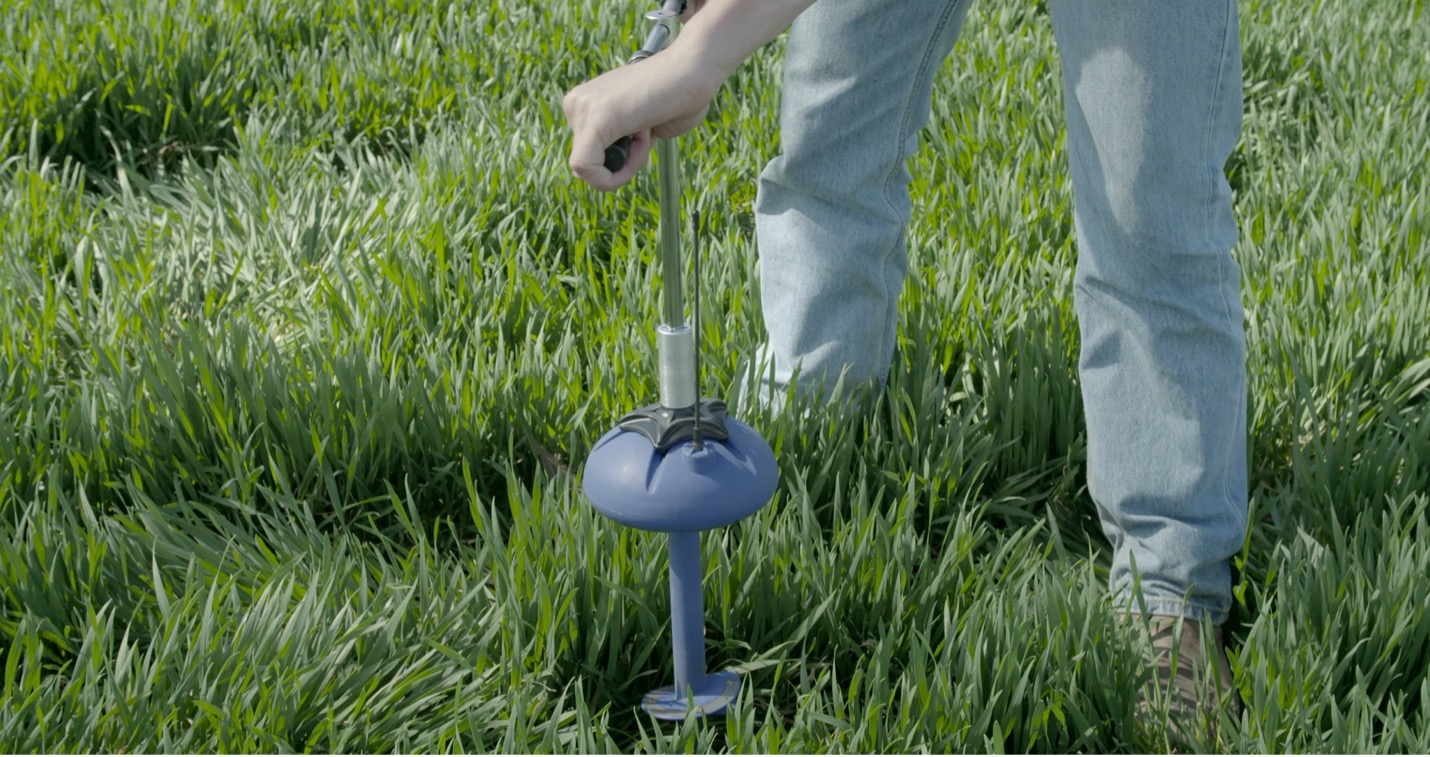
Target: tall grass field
[{"x": 306, "y": 332}]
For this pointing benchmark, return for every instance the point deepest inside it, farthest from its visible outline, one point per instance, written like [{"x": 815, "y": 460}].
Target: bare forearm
[{"x": 725, "y": 32}]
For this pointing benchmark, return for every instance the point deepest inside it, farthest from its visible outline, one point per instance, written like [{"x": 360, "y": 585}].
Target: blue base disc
[{"x": 719, "y": 691}]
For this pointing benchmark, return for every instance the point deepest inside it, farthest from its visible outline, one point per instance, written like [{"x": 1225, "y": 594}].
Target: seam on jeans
[
  {"x": 1213, "y": 174},
  {"x": 891, "y": 311}
]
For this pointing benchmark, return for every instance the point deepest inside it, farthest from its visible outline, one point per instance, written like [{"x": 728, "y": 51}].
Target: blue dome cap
[{"x": 628, "y": 480}]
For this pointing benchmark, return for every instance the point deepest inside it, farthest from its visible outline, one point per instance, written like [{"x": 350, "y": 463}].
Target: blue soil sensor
[{"x": 683, "y": 491}]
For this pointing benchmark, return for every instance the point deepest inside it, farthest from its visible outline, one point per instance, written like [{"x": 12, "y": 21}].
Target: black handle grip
[{"x": 616, "y": 154}]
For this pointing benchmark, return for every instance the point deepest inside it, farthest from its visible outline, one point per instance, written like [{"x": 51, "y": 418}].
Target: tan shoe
[{"x": 1191, "y": 678}]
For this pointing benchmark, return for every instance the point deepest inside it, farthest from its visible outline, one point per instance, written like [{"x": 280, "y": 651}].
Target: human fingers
[{"x": 588, "y": 161}]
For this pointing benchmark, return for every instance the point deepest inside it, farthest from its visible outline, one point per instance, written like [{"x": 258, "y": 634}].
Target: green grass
[{"x": 306, "y": 331}]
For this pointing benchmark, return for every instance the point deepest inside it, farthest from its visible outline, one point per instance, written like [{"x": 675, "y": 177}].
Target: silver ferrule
[
  {"x": 656, "y": 40},
  {"x": 676, "y": 353},
  {"x": 663, "y": 20}
]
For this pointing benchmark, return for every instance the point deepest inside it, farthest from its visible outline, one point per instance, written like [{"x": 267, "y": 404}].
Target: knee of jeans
[
  {"x": 862, "y": 191},
  {"x": 1139, "y": 245}
]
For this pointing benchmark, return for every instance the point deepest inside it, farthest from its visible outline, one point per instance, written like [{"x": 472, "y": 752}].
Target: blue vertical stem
[{"x": 687, "y": 612}]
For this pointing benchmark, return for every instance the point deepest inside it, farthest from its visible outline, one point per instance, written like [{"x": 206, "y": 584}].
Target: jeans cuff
[{"x": 1169, "y": 605}]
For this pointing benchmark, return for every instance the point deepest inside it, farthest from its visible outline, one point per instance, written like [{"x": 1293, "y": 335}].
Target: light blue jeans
[{"x": 1152, "y": 97}]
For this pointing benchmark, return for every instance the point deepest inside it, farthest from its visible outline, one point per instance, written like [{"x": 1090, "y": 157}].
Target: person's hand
[
  {"x": 668, "y": 93},
  {"x": 660, "y": 97}
]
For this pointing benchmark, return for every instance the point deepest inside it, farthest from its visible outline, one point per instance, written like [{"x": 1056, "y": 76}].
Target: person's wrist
[{"x": 702, "y": 65}]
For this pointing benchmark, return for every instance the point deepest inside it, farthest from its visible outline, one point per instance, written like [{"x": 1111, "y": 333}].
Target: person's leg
[
  {"x": 1152, "y": 93},
  {"x": 831, "y": 209}
]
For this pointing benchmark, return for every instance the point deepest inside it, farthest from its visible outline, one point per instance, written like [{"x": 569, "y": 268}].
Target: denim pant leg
[
  {"x": 1152, "y": 93},
  {"x": 831, "y": 209}
]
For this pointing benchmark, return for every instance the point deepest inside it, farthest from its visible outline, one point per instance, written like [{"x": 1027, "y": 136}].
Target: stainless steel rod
[{"x": 668, "y": 170}]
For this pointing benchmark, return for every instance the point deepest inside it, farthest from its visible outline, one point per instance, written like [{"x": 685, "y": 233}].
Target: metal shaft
[
  {"x": 675, "y": 342},
  {"x": 668, "y": 170}
]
